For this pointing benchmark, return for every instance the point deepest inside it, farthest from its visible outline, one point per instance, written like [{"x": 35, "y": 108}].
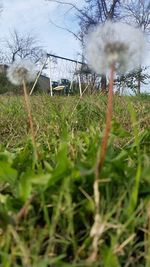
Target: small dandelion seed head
[
  {"x": 116, "y": 44},
  {"x": 21, "y": 70}
]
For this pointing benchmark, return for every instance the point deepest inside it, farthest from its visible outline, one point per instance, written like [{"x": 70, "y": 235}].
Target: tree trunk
[
  {"x": 139, "y": 82},
  {"x": 103, "y": 84}
]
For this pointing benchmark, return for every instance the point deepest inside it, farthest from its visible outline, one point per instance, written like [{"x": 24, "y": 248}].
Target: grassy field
[{"x": 47, "y": 205}]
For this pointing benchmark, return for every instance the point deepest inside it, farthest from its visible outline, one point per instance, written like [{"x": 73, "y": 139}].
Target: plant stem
[
  {"x": 105, "y": 138},
  {"x": 98, "y": 168},
  {"x": 104, "y": 144},
  {"x": 27, "y": 103}
]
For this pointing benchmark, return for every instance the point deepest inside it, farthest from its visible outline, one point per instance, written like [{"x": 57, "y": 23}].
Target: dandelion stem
[
  {"x": 98, "y": 168},
  {"x": 105, "y": 138},
  {"x": 27, "y": 103}
]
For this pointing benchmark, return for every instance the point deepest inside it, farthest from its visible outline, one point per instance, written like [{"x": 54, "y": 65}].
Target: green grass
[{"x": 47, "y": 207}]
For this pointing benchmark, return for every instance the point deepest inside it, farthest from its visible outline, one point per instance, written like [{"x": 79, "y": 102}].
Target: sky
[{"x": 33, "y": 16}]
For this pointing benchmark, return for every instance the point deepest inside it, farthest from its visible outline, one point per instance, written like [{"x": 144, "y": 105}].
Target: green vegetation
[
  {"x": 47, "y": 206},
  {"x": 7, "y": 88}
]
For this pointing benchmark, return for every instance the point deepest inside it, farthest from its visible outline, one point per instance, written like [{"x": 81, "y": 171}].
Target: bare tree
[
  {"x": 19, "y": 46},
  {"x": 137, "y": 12},
  {"x": 92, "y": 13},
  {"x": 98, "y": 11}
]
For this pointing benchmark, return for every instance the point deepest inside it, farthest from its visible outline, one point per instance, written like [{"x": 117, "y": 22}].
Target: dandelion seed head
[
  {"x": 116, "y": 44},
  {"x": 21, "y": 70}
]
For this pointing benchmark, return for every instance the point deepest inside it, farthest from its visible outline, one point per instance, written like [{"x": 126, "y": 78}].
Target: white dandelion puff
[
  {"x": 115, "y": 44},
  {"x": 19, "y": 71}
]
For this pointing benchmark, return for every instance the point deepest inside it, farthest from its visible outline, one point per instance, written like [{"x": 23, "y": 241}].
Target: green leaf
[
  {"x": 40, "y": 179},
  {"x": 63, "y": 165},
  {"x": 28, "y": 180},
  {"x": 109, "y": 257},
  {"x": 7, "y": 173},
  {"x": 25, "y": 187},
  {"x": 135, "y": 191},
  {"x": 118, "y": 130},
  {"x": 6, "y": 156}
]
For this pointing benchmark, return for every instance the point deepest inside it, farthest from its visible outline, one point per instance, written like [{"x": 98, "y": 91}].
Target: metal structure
[{"x": 67, "y": 75}]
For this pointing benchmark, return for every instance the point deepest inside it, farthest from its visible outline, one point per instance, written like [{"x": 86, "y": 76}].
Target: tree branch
[
  {"x": 66, "y": 29},
  {"x": 73, "y": 6}
]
